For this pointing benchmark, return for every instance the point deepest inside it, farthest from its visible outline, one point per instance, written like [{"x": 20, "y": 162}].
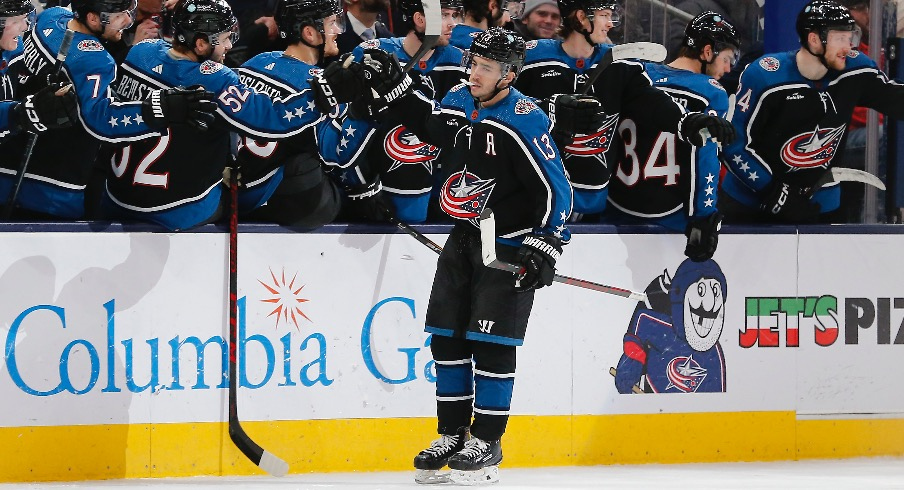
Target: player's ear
[
  {"x": 93, "y": 20},
  {"x": 707, "y": 53},
  {"x": 201, "y": 45},
  {"x": 814, "y": 40},
  {"x": 310, "y": 34},
  {"x": 420, "y": 22}
]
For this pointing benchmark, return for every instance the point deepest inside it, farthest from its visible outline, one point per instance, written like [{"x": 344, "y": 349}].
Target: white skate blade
[
  {"x": 483, "y": 476},
  {"x": 431, "y": 477}
]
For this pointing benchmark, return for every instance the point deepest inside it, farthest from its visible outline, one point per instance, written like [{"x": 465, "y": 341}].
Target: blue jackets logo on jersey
[
  {"x": 465, "y": 195},
  {"x": 404, "y": 147},
  {"x": 813, "y": 148},
  {"x": 596, "y": 143},
  {"x": 685, "y": 374}
]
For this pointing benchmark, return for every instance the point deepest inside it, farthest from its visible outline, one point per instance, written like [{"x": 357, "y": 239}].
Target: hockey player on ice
[
  {"x": 678, "y": 350},
  {"x": 501, "y": 156}
]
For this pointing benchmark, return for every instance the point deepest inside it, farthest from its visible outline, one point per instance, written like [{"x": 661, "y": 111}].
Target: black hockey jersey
[
  {"x": 10, "y": 66},
  {"x": 790, "y": 128},
  {"x": 624, "y": 89},
  {"x": 500, "y": 157},
  {"x": 660, "y": 178},
  {"x": 404, "y": 164}
]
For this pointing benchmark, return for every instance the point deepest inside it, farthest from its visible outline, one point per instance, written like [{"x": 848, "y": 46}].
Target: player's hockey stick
[
  {"x": 65, "y": 44},
  {"x": 640, "y": 51},
  {"x": 265, "y": 460},
  {"x": 841, "y": 174},
  {"x": 488, "y": 246},
  {"x": 433, "y": 14},
  {"x": 413, "y": 233}
]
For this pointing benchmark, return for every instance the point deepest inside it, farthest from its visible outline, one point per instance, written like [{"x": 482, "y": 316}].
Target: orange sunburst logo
[{"x": 285, "y": 297}]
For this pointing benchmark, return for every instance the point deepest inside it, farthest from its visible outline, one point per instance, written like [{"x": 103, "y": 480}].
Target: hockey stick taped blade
[
  {"x": 488, "y": 236},
  {"x": 433, "y": 14},
  {"x": 641, "y": 51},
  {"x": 273, "y": 465}
]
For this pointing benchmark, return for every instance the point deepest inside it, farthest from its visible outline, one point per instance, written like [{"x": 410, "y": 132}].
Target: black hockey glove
[
  {"x": 789, "y": 203},
  {"x": 52, "y": 107},
  {"x": 340, "y": 83},
  {"x": 537, "y": 258},
  {"x": 367, "y": 201},
  {"x": 692, "y": 123},
  {"x": 702, "y": 237},
  {"x": 384, "y": 75},
  {"x": 574, "y": 114},
  {"x": 367, "y": 107},
  {"x": 192, "y": 105}
]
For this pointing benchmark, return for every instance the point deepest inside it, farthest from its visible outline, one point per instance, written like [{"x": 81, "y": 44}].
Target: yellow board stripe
[{"x": 74, "y": 453}]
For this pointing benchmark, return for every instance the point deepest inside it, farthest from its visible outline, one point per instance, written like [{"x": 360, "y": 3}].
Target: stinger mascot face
[{"x": 698, "y": 303}]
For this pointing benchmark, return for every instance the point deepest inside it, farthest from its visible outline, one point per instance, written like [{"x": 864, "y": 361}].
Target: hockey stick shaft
[
  {"x": 434, "y": 16},
  {"x": 415, "y": 234},
  {"x": 641, "y": 51},
  {"x": 65, "y": 44},
  {"x": 265, "y": 460},
  {"x": 488, "y": 245}
]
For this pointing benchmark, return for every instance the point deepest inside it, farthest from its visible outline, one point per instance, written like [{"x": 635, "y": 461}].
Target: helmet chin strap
[
  {"x": 496, "y": 90},
  {"x": 821, "y": 57},
  {"x": 587, "y": 33},
  {"x": 319, "y": 47}
]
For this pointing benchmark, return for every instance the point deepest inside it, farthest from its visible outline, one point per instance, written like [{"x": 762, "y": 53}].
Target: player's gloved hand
[
  {"x": 340, "y": 83},
  {"x": 789, "y": 203},
  {"x": 192, "y": 105},
  {"x": 384, "y": 75},
  {"x": 537, "y": 257},
  {"x": 367, "y": 201},
  {"x": 702, "y": 237},
  {"x": 52, "y": 107},
  {"x": 367, "y": 107},
  {"x": 574, "y": 113},
  {"x": 692, "y": 123}
]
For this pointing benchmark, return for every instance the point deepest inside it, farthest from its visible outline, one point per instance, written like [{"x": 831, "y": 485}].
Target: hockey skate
[
  {"x": 477, "y": 463},
  {"x": 430, "y": 461}
]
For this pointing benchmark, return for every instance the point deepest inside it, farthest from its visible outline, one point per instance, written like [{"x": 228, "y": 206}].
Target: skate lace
[
  {"x": 474, "y": 447},
  {"x": 442, "y": 445}
]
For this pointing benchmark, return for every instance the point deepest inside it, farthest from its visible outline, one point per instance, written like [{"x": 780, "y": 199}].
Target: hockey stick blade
[
  {"x": 488, "y": 252},
  {"x": 841, "y": 174},
  {"x": 644, "y": 51},
  {"x": 263, "y": 459},
  {"x": 434, "y": 17}
]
